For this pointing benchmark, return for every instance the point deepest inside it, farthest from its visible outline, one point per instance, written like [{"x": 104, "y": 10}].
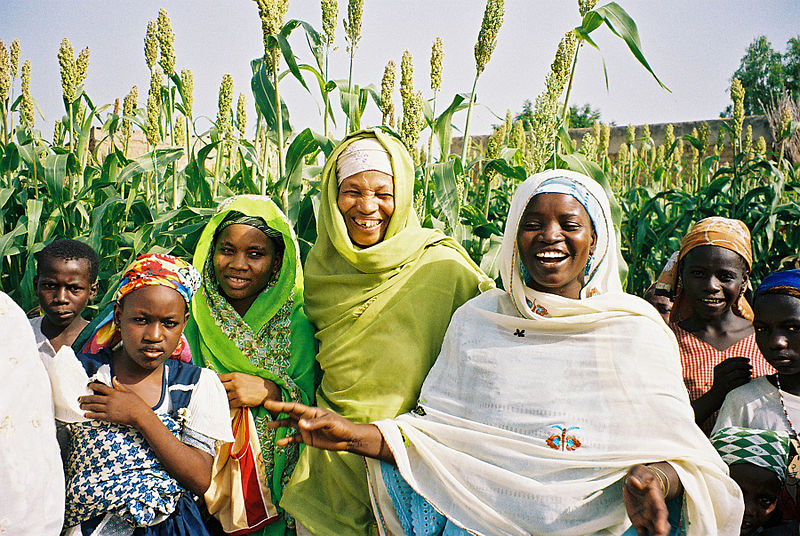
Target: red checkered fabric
[{"x": 698, "y": 359}]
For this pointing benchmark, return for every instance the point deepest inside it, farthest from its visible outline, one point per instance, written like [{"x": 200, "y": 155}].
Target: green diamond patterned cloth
[{"x": 765, "y": 448}]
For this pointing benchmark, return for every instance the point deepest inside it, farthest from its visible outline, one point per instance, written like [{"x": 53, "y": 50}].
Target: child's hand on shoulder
[{"x": 117, "y": 404}]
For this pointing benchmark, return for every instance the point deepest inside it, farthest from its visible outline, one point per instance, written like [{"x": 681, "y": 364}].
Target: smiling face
[
  {"x": 151, "y": 320},
  {"x": 760, "y": 488},
  {"x": 244, "y": 262},
  {"x": 64, "y": 289},
  {"x": 713, "y": 278},
  {"x": 777, "y": 327},
  {"x": 366, "y": 201},
  {"x": 555, "y": 238}
]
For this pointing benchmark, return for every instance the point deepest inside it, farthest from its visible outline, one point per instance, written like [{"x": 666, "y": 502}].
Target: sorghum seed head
[
  {"x": 487, "y": 37},
  {"x": 622, "y": 152},
  {"x": 151, "y": 44},
  {"x": 82, "y": 66},
  {"x": 412, "y": 124},
  {"x": 703, "y": 136},
  {"x": 180, "y": 130},
  {"x": 128, "y": 109},
  {"x": 585, "y": 6},
  {"x": 352, "y": 25},
  {"x": 166, "y": 41},
  {"x": 630, "y": 135},
  {"x": 26, "y": 105},
  {"x": 785, "y": 119},
  {"x": 187, "y": 81},
  {"x": 225, "y": 101},
  {"x": 387, "y": 88},
  {"x": 437, "y": 55},
  {"x": 152, "y": 125},
  {"x": 407, "y": 76},
  {"x": 605, "y": 136},
  {"x": 5, "y": 73},
  {"x": 748, "y": 140},
  {"x": 66, "y": 62},
  {"x": 761, "y": 146},
  {"x": 330, "y": 14},
  {"x": 241, "y": 115},
  {"x": 14, "y": 57},
  {"x": 737, "y": 95},
  {"x": 589, "y": 145},
  {"x": 517, "y": 137}
]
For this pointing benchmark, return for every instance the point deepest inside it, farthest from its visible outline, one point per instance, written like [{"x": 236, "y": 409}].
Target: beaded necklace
[
  {"x": 793, "y": 467},
  {"x": 783, "y": 406}
]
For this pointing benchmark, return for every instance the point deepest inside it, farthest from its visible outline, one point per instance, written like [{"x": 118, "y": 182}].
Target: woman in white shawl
[{"x": 556, "y": 406}]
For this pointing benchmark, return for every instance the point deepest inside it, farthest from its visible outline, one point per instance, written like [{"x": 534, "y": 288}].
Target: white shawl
[{"x": 532, "y": 420}]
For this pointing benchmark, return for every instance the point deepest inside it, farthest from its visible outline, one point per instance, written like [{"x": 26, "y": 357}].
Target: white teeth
[
  {"x": 369, "y": 224},
  {"x": 550, "y": 255}
]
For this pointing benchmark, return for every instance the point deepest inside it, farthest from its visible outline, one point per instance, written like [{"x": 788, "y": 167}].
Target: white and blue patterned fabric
[
  {"x": 419, "y": 518},
  {"x": 113, "y": 470}
]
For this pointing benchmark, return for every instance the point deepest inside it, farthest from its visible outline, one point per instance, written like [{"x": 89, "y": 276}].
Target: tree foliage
[{"x": 765, "y": 74}]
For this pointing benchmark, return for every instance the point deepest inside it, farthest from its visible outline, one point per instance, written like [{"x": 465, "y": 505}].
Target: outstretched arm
[
  {"x": 188, "y": 465},
  {"x": 317, "y": 427},
  {"x": 645, "y": 492}
]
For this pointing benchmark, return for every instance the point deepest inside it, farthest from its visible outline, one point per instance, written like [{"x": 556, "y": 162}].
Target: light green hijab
[
  {"x": 274, "y": 339},
  {"x": 381, "y": 313}
]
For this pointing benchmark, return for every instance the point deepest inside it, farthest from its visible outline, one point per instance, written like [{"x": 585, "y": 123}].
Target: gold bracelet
[{"x": 659, "y": 473}]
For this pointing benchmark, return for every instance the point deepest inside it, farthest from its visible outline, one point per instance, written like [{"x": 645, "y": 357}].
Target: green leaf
[
  {"x": 622, "y": 25},
  {"x": 445, "y": 177},
  {"x": 443, "y": 125},
  {"x": 264, "y": 94}
]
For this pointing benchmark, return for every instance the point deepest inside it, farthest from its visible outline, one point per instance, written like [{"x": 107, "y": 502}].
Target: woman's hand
[
  {"x": 117, "y": 404},
  {"x": 644, "y": 501},
  {"x": 248, "y": 391},
  {"x": 325, "y": 429}
]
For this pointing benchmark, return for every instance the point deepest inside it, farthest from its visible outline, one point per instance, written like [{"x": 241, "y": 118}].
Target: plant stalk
[
  {"x": 465, "y": 138},
  {"x": 349, "y": 90},
  {"x": 285, "y": 193}
]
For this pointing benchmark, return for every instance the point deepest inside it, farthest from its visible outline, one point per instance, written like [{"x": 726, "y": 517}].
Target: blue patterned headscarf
[
  {"x": 786, "y": 283},
  {"x": 559, "y": 185}
]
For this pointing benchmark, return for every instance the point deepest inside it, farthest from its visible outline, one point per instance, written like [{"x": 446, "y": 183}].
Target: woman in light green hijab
[
  {"x": 381, "y": 290},
  {"x": 247, "y": 323}
]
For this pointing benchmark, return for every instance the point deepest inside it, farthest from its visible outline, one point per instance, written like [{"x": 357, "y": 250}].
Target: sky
[{"x": 693, "y": 46}]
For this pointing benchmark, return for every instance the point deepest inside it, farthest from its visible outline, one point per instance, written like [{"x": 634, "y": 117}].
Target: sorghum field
[{"x": 126, "y": 204}]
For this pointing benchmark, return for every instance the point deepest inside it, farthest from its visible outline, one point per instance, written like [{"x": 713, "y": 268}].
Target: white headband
[{"x": 366, "y": 154}]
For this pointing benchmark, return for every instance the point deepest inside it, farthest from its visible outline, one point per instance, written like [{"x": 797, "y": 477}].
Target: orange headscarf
[{"x": 715, "y": 231}]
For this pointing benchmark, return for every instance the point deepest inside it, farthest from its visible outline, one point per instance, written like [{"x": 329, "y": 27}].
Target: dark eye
[
  {"x": 139, "y": 320},
  {"x": 759, "y": 329},
  {"x": 256, "y": 254},
  {"x": 765, "y": 502},
  {"x": 170, "y": 324},
  {"x": 385, "y": 196},
  {"x": 793, "y": 328},
  {"x": 571, "y": 226}
]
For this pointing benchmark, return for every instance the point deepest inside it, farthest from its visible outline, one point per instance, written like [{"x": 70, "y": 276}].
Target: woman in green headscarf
[
  {"x": 247, "y": 322},
  {"x": 381, "y": 291}
]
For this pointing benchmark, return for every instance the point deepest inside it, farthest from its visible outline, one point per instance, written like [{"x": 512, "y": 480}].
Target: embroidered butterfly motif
[
  {"x": 563, "y": 441},
  {"x": 519, "y": 332}
]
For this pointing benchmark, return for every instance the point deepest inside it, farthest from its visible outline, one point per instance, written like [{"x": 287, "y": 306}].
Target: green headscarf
[
  {"x": 381, "y": 313},
  {"x": 274, "y": 339}
]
